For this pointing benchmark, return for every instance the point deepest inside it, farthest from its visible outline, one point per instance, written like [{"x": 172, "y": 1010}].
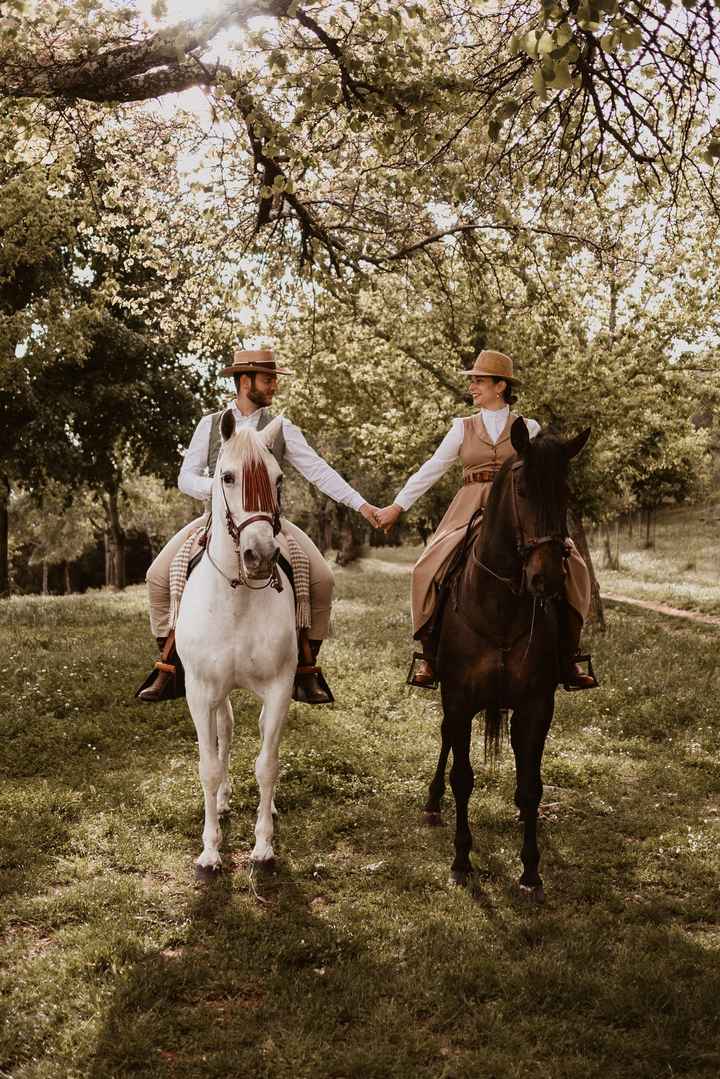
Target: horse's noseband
[
  {"x": 526, "y": 549},
  {"x": 235, "y": 531}
]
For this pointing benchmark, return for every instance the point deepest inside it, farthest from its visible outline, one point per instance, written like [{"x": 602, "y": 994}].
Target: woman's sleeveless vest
[{"x": 277, "y": 449}]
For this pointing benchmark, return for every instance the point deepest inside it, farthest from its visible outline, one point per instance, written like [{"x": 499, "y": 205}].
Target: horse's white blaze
[{"x": 229, "y": 638}]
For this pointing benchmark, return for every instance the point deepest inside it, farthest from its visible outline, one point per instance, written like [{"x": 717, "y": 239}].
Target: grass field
[
  {"x": 357, "y": 959},
  {"x": 682, "y": 570}
]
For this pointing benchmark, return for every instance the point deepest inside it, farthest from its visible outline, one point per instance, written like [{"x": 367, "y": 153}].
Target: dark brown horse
[{"x": 499, "y": 642}]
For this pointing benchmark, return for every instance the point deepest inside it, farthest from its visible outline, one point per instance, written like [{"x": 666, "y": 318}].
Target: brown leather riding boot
[
  {"x": 572, "y": 675},
  {"x": 164, "y": 672},
  {"x": 310, "y": 685},
  {"x": 422, "y": 674}
]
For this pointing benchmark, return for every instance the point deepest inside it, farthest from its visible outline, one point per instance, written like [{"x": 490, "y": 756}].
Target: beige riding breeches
[{"x": 322, "y": 581}]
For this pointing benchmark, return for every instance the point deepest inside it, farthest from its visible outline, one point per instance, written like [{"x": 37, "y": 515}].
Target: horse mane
[
  {"x": 544, "y": 481},
  {"x": 246, "y": 451},
  {"x": 545, "y": 477}
]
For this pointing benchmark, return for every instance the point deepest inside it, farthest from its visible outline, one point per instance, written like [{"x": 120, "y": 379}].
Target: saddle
[
  {"x": 451, "y": 578},
  {"x": 170, "y": 662},
  {"x": 430, "y": 632}
]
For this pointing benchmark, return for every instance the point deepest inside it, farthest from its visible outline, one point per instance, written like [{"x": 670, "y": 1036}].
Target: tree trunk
[
  {"x": 617, "y": 543},
  {"x": 68, "y": 582},
  {"x": 596, "y": 614},
  {"x": 45, "y": 568},
  {"x": 649, "y": 529},
  {"x": 609, "y": 562},
  {"x": 351, "y": 537},
  {"x": 323, "y": 520},
  {"x": 4, "y": 536},
  {"x": 114, "y": 545}
]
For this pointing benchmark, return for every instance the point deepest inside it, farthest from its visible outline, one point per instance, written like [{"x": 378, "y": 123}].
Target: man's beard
[{"x": 262, "y": 400}]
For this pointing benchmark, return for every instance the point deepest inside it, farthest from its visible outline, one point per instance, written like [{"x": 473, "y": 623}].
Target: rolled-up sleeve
[
  {"x": 193, "y": 479},
  {"x": 315, "y": 470},
  {"x": 434, "y": 468}
]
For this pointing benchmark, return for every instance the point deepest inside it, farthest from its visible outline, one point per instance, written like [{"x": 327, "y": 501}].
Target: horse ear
[
  {"x": 519, "y": 436},
  {"x": 573, "y": 447},
  {"x": 270, "y": 433},
  {"x": 227, "y": 424}
]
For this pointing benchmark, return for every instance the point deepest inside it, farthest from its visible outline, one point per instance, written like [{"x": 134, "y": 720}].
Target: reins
[
  {"x": 524, "y": 545},
  {"x": 235, "y": 532}
]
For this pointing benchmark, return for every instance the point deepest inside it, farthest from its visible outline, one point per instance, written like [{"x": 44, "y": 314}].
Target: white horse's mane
[{"x": 244, "y": 445}]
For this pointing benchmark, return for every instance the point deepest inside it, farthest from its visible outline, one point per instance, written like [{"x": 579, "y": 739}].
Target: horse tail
[{"x": 496, "y": 719}]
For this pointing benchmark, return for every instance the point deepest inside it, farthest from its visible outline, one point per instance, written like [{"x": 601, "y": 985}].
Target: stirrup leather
[
  {"x": 583, "y": 657},
  {"x": 410, "y": 680}
]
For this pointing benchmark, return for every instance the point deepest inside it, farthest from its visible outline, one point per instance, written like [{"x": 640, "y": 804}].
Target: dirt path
[{"x": 663, "y": 608}]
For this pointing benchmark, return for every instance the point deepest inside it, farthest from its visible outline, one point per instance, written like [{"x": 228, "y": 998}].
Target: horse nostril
[
  {"x": 538, "y": 583},
  {"x": 251, "y": 558}
]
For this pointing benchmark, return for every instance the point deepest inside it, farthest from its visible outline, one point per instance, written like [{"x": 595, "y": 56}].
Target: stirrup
[
  {"x": 298, "y": 693},
  {"x": 410, "y": 680},
  {"x": 583, "y": 657}
]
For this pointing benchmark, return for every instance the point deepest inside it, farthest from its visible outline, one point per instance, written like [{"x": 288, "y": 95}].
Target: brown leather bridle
[
  {"x": 524, "y": 544},
  {"x": 235, "y": 531}
]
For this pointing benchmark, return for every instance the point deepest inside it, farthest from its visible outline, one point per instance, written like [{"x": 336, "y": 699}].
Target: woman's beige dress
[{"x": 478, "y": 453}]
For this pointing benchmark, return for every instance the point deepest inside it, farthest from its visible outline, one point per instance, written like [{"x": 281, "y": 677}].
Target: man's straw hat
[
  {"x": 246, "y": 361},
  {"x": 495, "y": 364}
]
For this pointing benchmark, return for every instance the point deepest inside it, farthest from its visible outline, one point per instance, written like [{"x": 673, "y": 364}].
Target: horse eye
[{"x": 228, "y": 477}]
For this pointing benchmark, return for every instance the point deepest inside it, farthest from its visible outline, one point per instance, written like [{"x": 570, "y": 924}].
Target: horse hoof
[
  {"x": 532, "y": 893},
  {"x": 460, "y": 877},
  {"x": 206, "y": 873},
  {"x": 432, "y": 819},
  {"x": 265, "y": 867}
]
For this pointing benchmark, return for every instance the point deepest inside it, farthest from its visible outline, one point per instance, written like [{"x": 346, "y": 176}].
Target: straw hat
[
  {"x": 494, "y": 364},
  {"x": 246, "y": 361}
]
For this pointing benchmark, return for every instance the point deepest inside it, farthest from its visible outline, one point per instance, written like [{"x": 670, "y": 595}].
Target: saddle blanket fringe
[{"x": 299, "y": 562}]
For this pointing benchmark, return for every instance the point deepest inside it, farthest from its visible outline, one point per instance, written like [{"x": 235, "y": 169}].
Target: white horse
[{"x": 235, "y": 629}]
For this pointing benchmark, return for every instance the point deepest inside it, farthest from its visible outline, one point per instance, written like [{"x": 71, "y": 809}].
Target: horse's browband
[{"x": 480, "y": 475}]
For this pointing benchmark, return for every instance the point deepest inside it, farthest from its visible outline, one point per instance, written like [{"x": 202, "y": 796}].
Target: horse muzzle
[{"x": 259, "y": 565}]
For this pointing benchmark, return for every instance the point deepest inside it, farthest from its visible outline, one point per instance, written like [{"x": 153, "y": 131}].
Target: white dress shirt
[
  {"x": 448, "y": 452},
  {"x": 195, "y": 482}
]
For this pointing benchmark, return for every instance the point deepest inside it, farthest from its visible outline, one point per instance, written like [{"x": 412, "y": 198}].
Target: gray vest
[{"x": 277, "y": 449}]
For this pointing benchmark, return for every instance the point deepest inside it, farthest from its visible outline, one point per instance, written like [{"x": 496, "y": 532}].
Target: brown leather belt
[{"x": 482, "y": 475}]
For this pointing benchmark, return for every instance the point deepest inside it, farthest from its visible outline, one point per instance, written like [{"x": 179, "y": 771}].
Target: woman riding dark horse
[
  {"x": 482, "y": 443},
  {"x": 500, "y": 636}
]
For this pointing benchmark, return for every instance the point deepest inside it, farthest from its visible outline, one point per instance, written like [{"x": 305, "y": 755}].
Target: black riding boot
[
  {"x": 422, "y": 674},
  {"x": 158, "y": 686},
  {"x": 571, "y": 674},
  {"x": 310, "y": 685}
]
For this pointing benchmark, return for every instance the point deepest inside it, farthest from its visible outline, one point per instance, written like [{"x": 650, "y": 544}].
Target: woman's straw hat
[
  {"x": 494, "y": 364},
  {"x": 245, "y": 362}
]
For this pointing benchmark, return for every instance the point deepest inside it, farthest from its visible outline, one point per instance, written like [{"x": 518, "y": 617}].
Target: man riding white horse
[{"x": 255, "y": 374}]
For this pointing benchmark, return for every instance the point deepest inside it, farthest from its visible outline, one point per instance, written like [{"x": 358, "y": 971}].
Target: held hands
[
  {"x": 370, "y": 514},
  {"x": 388, "y": 516}
]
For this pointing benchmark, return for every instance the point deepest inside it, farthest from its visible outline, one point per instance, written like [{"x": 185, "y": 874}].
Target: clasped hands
[{"x": 381, "y": 518}]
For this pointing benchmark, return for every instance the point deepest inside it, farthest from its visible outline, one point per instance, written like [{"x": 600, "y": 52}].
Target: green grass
[
  {"x": 357, "y": 959},
  {"x": 682, "y": 570}
]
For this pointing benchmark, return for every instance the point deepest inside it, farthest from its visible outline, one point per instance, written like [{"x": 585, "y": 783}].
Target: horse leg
[
  {"x": 273, "y": 807},
  {"x": 211, "y": 773},
  {"x": 528, "y": 730},
  {"x": 225, "y": 723},
  {"x": 462, "y": 780},
  {"x": 436, "y": 790},
  {"x": 272, "y": 721}
]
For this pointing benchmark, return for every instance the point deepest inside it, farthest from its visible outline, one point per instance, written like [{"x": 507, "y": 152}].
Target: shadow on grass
[{"x": 272, "y": 984}]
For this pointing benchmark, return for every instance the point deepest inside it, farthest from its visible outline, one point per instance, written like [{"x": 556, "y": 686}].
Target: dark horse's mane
[{"x": 543, "y": 484}]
